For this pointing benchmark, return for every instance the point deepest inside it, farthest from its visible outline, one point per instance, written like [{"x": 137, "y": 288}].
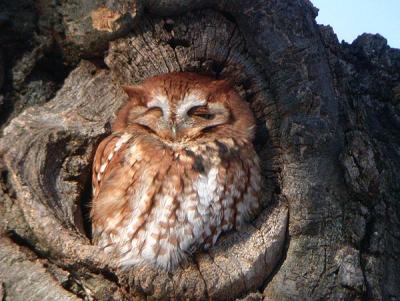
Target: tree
[{"x": 328, "y": 126}]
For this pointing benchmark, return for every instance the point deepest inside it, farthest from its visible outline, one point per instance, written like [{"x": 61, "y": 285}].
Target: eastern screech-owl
[{"x": 178, "y": 169}]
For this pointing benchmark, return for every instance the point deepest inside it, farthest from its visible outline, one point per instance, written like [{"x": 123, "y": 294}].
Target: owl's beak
[{"x": 173, "y": 129}]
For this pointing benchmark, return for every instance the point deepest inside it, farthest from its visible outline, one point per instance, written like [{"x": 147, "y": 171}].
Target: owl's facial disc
[
  {"x": 182, "y": 107},
  {"x": 186, "y": 118}
]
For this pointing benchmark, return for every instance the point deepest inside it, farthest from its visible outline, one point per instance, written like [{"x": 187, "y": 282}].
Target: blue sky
[{"x": 351, "y": 18}]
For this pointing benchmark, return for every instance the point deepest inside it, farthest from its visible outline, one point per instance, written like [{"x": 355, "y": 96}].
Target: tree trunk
[{"x": 328, "y": 135}]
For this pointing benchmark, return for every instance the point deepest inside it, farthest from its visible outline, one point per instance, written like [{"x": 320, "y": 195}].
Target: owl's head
[{"x": 180, "y": 107}]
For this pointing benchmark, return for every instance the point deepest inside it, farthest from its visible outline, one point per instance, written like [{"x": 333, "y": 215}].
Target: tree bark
[{"x": 328, "y": 135}]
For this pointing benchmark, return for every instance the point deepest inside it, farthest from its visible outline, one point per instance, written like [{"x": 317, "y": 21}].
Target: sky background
[{"x": 351, "y": 18}]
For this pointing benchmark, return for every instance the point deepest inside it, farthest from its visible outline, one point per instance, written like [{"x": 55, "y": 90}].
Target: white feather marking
[
  {"x": 206, "y": 186},
  {"x": 189, "y": 101},
  {"x": 148, "y": 251},
  {"x": 135, "y": 153},
  {"x": 110, "y": 156},
  {"x": 112, "y": 222},
  {"x": 124, "y": 138},
  {"x": 160, "y": 101},
  {"x": 103, "y": 167},
  {"x": 125, "y": 249}
]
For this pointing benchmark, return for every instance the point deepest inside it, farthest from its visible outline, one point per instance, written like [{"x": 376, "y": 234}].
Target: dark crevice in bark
[
  {"x": 26, "y": 244},
  {"x": 3, "y": 291},
  {"x": 84, "y": 208},
  {"x": 202, "y": 278},
  {"x": 5, "y": 182},
  {"x": 175, "y": 42},
  {"x": 74, "y": 286},
  {"x": 227, "y": 15},
  {"x": 99, "y": 63},
  {"x": 111, "y": 276},
  {"x": 52, "y": 64}
]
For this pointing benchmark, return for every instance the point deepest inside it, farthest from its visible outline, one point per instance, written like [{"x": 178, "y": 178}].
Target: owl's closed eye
[{"x": 178, "y": 169}]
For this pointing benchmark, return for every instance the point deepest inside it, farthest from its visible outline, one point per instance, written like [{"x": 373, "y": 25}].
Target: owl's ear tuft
[
  {"x": 133, "y": 91},
  {"x": 222, "y": 84}
]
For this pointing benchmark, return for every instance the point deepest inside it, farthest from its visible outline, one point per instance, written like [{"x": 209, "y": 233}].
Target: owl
[{"x": 178, "y": 169}]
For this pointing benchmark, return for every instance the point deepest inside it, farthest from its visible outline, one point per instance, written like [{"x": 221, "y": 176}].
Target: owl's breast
[{"x": 176, "y": 200}]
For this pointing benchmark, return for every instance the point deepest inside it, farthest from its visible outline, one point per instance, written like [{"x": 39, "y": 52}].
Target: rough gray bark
[{"x": 328, "y": 118}]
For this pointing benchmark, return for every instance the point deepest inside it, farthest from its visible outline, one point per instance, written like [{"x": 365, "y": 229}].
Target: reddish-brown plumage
[{"x": 178, "y": 169}]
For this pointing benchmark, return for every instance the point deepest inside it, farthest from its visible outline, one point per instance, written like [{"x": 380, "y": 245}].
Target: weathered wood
[
  {"x": 23, "y": 279},
  {"x": 83, "y": 29}
]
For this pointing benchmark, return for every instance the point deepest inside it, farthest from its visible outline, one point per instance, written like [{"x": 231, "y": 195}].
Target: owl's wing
[{"x": 109, "y": 152}]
